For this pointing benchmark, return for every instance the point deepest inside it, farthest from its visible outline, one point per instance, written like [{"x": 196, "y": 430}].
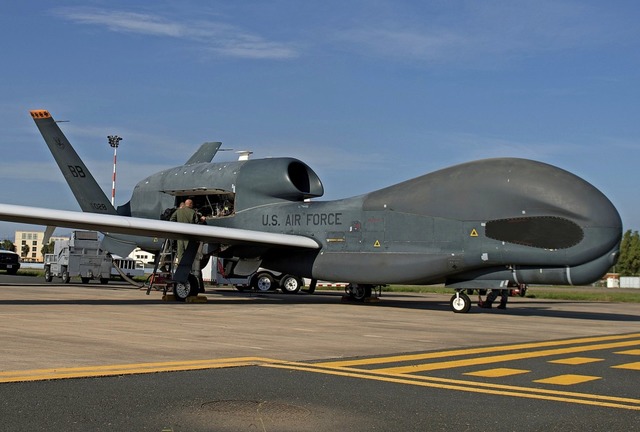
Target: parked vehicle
[
  {"x": 224, "y": 272},
  {"x": 9, "y": 261},
  {"x": 79, "y": 256}
]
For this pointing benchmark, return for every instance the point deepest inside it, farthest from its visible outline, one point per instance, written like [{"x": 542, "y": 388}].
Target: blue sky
[{"x": 368, "y": 93}]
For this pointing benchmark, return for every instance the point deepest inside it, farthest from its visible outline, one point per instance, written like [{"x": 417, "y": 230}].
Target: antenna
[{"x": 243, "y": 155}]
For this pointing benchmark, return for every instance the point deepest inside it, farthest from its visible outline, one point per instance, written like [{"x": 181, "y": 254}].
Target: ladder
[{"x": 162, "y": 276}]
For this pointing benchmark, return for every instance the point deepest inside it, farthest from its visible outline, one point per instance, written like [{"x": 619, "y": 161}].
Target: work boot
[
  {"x": 485, "y": 305},
  {"x": 502, "y": 306}
]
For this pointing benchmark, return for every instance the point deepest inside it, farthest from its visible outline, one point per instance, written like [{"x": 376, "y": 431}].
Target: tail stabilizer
[
  {"x": 88, "y": 193},
  {"x": 205, "y": 153}
]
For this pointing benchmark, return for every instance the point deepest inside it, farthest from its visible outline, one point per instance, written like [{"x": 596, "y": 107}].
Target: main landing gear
[{"x": 359, "y": 292}]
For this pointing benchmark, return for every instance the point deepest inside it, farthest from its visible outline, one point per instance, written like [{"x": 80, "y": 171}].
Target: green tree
[
  {"x": 8, "y": 245},
  {"x": 47, "y": 249},
  {"x": 25, "y": 250},
  {"x": 629, "y": 262}
]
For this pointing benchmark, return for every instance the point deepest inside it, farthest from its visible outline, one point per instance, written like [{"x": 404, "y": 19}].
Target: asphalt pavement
[{"x": 94, "y": 357}]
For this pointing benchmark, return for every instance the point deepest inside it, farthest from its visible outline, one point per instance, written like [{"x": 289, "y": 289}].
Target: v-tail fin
[
  {"x": 88, "y": 193},
  {"x": 205, "y": 153}
]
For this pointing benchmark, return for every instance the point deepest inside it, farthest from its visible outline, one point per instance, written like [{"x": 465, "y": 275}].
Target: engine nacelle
[{"x": 265, "y": 181}]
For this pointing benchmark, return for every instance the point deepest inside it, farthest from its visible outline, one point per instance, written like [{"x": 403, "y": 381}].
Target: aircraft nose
[
  {"x": 551, "y": 209},
  {"x": 574, "y": 199}
]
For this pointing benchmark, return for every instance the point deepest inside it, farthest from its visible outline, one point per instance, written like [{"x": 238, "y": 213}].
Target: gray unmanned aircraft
[{"x": 486, "y": 224}]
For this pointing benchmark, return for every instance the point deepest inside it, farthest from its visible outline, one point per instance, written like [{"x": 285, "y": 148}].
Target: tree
[
  {"x": 25, "y": 250},
  {"x": 48, "y": 248},
  {"x": 8, "y": 245},
  {"x": 629, "y": 261}
]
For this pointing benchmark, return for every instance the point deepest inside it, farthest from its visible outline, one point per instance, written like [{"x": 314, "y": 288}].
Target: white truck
[{"x": 79, "y": 256}]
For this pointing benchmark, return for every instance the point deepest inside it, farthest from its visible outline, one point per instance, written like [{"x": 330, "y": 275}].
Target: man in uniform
[{"x": 184, "y": 214}]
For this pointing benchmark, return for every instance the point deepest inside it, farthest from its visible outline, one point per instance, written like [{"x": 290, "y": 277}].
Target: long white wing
[{"x": 149, "y": 227}]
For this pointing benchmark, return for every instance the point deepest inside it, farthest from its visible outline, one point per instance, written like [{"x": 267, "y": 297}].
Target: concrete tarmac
[{"x": 91, "y": 330}]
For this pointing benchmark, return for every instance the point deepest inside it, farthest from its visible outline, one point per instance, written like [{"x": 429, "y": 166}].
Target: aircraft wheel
[
  {"x": 359, "y": 292},
  {"x": 290, "y": 284},
  {"x": 85, "y": 280},
  {"x": 183, "y": 290},
  {"x": 104, "y": 281},
  {"x": 523, "y": 290},
  {"x": 65, "y": 276},
  {"x": 47, "y": 274},
  {"x": 460, "y": 303},
  {"x": 264, "y": 282}
]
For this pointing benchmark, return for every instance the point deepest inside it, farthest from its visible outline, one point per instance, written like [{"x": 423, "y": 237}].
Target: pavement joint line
[
  {"x": 472, "y": 351},
  {"x": 468, "y": 386}
]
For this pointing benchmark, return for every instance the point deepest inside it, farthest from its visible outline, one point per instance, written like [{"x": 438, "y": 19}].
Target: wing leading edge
[{"x": 149, "y": 227}]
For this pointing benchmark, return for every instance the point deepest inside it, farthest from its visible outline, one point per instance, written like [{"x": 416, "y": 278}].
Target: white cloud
[
  {"x": 218, "y": 37},
  {"x": 124, "y": 21}
]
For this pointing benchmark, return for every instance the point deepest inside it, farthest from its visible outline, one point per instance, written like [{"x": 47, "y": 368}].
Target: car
[{"x": 9, "y": 261}]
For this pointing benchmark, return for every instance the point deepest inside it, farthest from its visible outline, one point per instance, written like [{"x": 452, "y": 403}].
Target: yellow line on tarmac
[
  {"x": 127, "y": 369},
  {"x": 505, "y": 357},
  {"x": 468, "y": 386},
  {"x": 471, "y": 351}
]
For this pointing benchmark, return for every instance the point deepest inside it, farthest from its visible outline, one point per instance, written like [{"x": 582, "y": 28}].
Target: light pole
[{"x": 114, "y": 141}]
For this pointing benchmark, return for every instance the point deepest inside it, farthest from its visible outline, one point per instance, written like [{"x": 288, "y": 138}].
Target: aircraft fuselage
[{"x": 488, "y": 220}]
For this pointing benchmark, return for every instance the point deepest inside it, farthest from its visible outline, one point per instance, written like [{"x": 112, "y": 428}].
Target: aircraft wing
[{"x": 149, "y": 227}]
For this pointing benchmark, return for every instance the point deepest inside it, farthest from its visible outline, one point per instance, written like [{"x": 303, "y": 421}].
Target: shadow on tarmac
[{"x": 228, "y": 296}]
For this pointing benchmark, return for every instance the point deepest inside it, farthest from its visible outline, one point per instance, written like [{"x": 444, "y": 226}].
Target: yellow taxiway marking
[
  {"x": 126, "y": 369},
  {"x": 392, "y": 375},
  {"x": 497, "y": 372},
  {"x": 481, "y": 350},
  {"x": 630, "y": 352},
  {"x": 506, "y": 357},
  {"x": 576, "y": 360},
  {"x": 467, "y": 386},
  {"x": 631, "y": 366},
  {"x": 568, "y": 379}
]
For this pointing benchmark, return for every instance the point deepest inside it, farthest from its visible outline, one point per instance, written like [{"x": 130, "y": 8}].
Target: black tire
[
  {"x": 65, "y": 276},
  {"x": 460, "y": 303},
  {"x": 104, "y": 281},
  {"x": 264, "y": 282},
  {"x": 47, "y": 274},
  {"x": 85, "y": 280},
  {"x": 359, "y": 292},
  {"x": 290, "y": 284},
  {"x": 188, "y": 289},
  {"x": 12, "y": 271}
]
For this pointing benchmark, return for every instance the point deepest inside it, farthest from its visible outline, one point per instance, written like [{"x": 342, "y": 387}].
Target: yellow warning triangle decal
[
  {"x": 376, "y": 244},
  {"x": 474, "y": 233}
]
